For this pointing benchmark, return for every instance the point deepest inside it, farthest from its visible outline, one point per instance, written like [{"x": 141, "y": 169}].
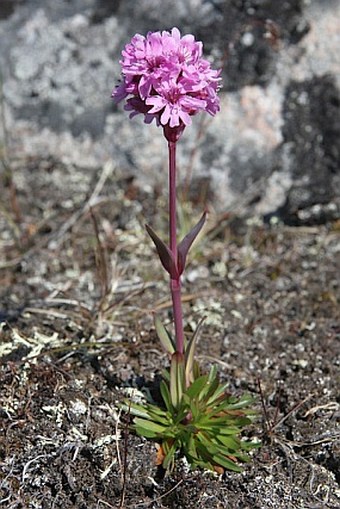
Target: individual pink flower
[
  {"x": 174, "y": 105},
  {"x": 165, "y": 78}
]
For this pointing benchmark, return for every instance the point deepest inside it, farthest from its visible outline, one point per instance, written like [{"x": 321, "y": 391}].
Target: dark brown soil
[{"x": 77, "y": 287}]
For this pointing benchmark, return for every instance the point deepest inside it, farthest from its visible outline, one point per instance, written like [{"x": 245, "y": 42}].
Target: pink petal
[
  {"x": 144, "y": 86},
  {"x": 156, "y": 102},
  {"x": 165, "y": 115},
  {"x": 185, "y": 117},
  {"x": 176, "y": 34}
]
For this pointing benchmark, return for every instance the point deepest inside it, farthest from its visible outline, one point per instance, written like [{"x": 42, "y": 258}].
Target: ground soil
[{"x": 78, "y": 283}]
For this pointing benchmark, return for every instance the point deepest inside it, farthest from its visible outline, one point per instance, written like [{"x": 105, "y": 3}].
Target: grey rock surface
[{"x": 273, "y": 150}]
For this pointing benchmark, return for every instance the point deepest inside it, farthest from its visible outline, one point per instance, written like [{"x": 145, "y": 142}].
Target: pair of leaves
[
  {"x": 173, "y": 264},
  {"x": 187, "y": 369}
]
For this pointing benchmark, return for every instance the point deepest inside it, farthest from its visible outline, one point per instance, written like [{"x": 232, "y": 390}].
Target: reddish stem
[{"x": 175, "y": 284}]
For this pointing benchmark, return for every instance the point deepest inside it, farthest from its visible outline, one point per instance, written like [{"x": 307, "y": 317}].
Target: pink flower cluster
[{"x": 167, "y": 79}]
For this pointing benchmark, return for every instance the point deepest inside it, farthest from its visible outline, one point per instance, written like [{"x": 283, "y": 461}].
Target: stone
[{"x": 272, "y": 151}]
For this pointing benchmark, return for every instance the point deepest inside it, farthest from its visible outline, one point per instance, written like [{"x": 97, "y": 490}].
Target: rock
[
  {"x": 272, "y": 151},
  {"x": 311, "y": 129}
]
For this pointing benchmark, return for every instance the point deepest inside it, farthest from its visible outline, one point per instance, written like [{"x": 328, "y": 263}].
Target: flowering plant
[
  {"x": 168, "y": 80},
  {"x": 165, "y": 78}
]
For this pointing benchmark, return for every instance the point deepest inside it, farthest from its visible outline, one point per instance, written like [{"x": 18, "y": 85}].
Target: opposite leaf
[
  {"x": 185, "y": 244},
  {"x": 190, "y": 354},
  {"x": 177, "y": 378},
  {"x": 164, "y": 253},
  {"x": 164, "y": 336}
]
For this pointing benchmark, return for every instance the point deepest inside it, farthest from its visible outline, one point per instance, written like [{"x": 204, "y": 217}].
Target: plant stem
[{"x": 175, "y": 284}]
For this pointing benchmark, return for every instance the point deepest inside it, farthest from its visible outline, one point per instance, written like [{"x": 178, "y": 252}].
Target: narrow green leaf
[
  {"x": 169, "y": 458},
  {"x": 219, "y": 454},
  {"x": 220, "y": 390},
  {"x": 149, "y": 412},
  {"x": 233, "y": 420},
  {"x": 230, "y": 442},
  {"x": 238, "y": 404},
  {"x": 159, "y": 417},
  {"x": 166, "y": 375},
  {"x": 196, "y": 371},
  {"x": 166, "y": 396},
  {"x": 211, "y": 390},
  {"x": 227, "y": 463},
  {"x": 211, "y": 386},
  {"x": 177, "y": 383},
  {"x": 229, "y": 430},
  {"x": 195, "y": 410},
  {"x": 136, "y": 410},
  {"x": 229, "y": 410},
  {"x": 149, "y": 425},
  {"x": 208, "y": 444},
  {"x": 218, "y": 428},
  {"x": 145, "y": 432},
  {"x": 164, "y": 336},
  {"x": 212, "y": 374},
  {"x": 205, "y": 458},
  {"x": 191, "y": 447},
  {"x": 195, "y": 388},
  {"x": 190, "y": 354},
  {"x": 248, "y": 445}
]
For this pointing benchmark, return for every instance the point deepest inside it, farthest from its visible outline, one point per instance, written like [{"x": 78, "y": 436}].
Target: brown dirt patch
[{"x": 77, "y": 333}]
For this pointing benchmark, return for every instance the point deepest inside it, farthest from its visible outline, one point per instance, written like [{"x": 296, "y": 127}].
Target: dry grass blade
[
  {"x": 107, "y": 171},
  {"x": 101, "y": 260},
  {"x": 157, "y": 499},
  {"x": 125, "y": 461}
]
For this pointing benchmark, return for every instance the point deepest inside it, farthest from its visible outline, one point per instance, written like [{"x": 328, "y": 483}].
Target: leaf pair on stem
[
  {"x": 186, "y": 361},
  {"x": 172, "y": 264}
]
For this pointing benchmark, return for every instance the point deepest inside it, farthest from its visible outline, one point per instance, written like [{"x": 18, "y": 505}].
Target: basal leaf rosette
[
  {"x": 165, "y": 77},
  {"x": 205, "y": 426}
]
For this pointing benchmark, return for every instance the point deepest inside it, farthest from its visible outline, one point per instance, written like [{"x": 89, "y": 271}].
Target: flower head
[{"x": 165, "y": 78}]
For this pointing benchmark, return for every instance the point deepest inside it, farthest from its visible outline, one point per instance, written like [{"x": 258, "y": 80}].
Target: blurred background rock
[{"x": 273, "y": 150}]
